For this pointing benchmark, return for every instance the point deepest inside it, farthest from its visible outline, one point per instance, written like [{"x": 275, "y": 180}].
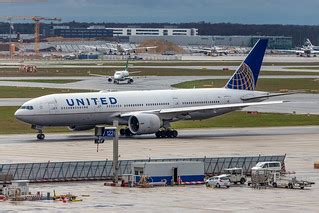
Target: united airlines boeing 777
[{"x": 149, "y": 112}]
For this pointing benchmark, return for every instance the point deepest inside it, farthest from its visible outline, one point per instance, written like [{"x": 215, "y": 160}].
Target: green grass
[
  {"x": 302, "y": 68},
  {"x": 11, "y": 72},
  {"x": 272, "y": 85},
  {"x": 195, "y": 63},
  {"x": 30, "y": 92},
  {"x": 10, "y": 125},
  {"x": 53, "y": 81},
  {"x": 243, "y": 119}
]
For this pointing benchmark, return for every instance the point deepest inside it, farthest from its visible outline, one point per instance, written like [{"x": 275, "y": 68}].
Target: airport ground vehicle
[
  {"x": 270, "y": 166},
  {"x": 236, "y": 175},
  {"x": 287, "y": 181},
  {"x": 218, "y": 181},
  {"x": 264, "y": 177}
]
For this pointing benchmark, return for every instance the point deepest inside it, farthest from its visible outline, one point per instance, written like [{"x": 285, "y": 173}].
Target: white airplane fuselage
[
  {"x": 84, "y": 109},
  {"x": 121, "y": 75}
]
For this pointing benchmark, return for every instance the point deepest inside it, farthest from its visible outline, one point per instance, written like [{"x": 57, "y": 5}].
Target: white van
[{"x": 270, "y": 166}]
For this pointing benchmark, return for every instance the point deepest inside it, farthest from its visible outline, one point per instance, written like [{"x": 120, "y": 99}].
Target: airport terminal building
[
  {"x": 154, "y": 31},
  {"x": 179, "y": 36},
  {"x": 275, "y": 42}
]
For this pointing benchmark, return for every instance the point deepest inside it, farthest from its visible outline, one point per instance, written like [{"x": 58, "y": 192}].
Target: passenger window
[{"x": 265, "y": 166}]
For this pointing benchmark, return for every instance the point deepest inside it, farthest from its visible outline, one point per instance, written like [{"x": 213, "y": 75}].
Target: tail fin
[
  {"x": 246, "y": 75},
  {"x": 308, "y": 42}
]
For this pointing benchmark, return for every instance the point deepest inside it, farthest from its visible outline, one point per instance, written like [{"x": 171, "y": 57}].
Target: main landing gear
[
  {"x": 126, "y": 132},
  {"x": 40, "y": 135},
  {"x": 167, "y": 133}
]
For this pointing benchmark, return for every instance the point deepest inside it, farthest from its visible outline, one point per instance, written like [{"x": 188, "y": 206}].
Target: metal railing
[{"x": 103, "y": 170}]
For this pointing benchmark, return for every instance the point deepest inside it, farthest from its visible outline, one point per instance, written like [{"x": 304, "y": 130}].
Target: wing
[
  {"x": 262, "y": 97},
  {"x": 135, "y": 72},
  {"x": 185, "y": 110},
  {"x": 143, "y": 48},
  {"x": 201, "y": 50},
  {"x": 289, "y": 51},
  {"x": 92, "y": 74}
]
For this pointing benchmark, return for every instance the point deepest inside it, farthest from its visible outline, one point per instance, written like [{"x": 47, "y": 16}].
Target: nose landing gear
[{"x": 40, "y": 135}]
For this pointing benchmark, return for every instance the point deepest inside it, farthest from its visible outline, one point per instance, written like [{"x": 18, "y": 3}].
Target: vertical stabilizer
[{"x": 246, "y": 75}]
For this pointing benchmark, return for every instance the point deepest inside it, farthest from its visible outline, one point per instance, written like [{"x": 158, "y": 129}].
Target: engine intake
[{"x": 144, "y": 124}]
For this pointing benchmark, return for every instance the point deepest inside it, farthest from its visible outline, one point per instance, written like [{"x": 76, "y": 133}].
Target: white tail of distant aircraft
[{"x": 149, "y": 112}]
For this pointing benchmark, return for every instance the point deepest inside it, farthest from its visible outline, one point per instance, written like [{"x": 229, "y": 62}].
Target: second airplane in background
[{"x": 119, "y": 76}]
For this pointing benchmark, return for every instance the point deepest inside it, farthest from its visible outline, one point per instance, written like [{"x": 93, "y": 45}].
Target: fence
[{"x": 103, "y": 170}]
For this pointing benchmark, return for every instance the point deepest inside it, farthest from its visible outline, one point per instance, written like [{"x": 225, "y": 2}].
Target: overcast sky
[{"x": 215, "y": 11}]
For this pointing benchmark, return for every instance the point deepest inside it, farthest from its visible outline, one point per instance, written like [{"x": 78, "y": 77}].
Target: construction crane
[{"x": 37, "y": 20}]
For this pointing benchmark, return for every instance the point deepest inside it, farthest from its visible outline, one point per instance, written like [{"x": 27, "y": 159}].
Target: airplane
[
  {"x": 119, "y": 76},
  {"x": 128, "y": 50},
  {"x": 309, "y": 44},
  {"x": 306, "y": 50},
  {"x": 151, "y": 111},
  {"x": 214, "y": 50},
  {"x": 119, "y": 49}
]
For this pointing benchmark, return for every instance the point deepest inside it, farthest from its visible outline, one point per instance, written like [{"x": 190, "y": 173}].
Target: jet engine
[
  {"x": 144, "y": 124},
  {"x": 80, "y": 128}
]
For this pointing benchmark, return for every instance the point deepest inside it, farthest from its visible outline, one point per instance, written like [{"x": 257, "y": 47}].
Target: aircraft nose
[{"x": 18, "y": 114}]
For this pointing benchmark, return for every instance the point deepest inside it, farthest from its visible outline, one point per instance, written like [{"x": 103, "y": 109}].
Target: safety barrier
[{"x": 103, "y": 170}]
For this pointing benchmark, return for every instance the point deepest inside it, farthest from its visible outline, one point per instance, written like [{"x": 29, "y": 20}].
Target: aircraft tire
[
  {"x": 122, "y": 132},
  {"x": 158, "y": 134},
  {"x": 128, "y": 133},
  {"x": 174, "y": 133},
  {"x": 40, "y": 136}
]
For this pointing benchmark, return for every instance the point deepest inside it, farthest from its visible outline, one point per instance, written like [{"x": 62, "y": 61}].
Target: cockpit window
[{"x": 27, "y": 107}]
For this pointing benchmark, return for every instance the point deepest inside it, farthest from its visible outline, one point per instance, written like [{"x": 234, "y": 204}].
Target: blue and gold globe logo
[{"x": 243, "y": 79}]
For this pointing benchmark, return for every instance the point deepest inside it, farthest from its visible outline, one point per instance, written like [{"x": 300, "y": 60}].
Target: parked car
[
  {"x": 236, "y": 175},
  {"x": 270, "y": 166},
  {"x": 218, "y": 181}
]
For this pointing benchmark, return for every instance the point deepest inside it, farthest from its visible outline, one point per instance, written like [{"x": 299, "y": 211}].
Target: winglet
[{"x": 246, "y": 75}]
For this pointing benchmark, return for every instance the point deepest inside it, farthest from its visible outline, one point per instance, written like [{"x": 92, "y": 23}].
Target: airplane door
[
  {"x": 227, "y": 99},
  {"x": 52, "y": 107},
  {"x": 175, "y": 102}
]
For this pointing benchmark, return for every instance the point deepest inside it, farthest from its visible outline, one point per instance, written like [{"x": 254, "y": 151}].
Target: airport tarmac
[
  {"x": 299, "y": 143},
  {"x": 140, "y": 82},
  {"x": 185, "y": 57}
]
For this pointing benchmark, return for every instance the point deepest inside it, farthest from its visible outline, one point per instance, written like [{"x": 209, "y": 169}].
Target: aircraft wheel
[
  {"x": 174, "y": 133},
  {"x": 168, "y": 134},
  {"x": 122, "y": 132},
  {"x": 158, "y": 134},
  {"x": 128, "y": 133},
  {"x": 40, "y": 136}
]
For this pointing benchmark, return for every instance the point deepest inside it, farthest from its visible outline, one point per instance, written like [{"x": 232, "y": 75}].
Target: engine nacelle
[
  {"x": 144, "y": 124},
  {"x": 80, "y": 128}
]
